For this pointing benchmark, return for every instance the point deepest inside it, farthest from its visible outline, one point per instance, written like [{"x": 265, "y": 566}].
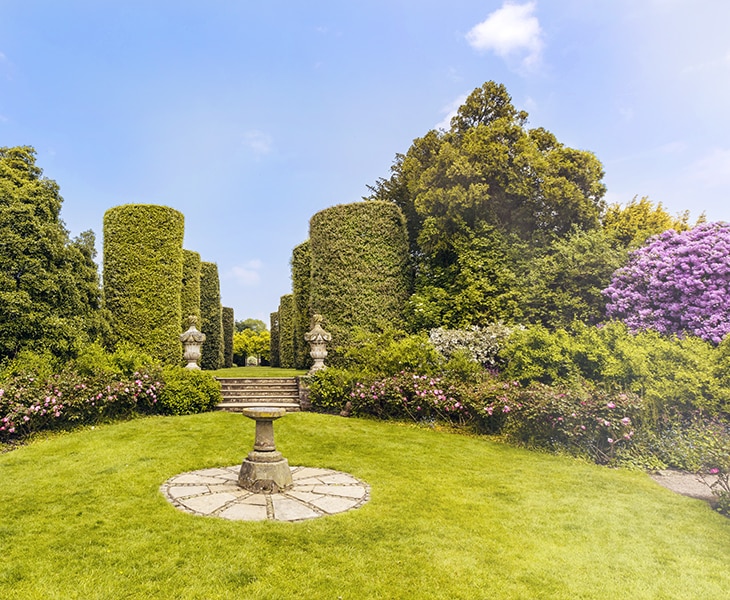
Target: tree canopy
[
  {"x": 49, "y": 285},
  {"x": 479, "y": 199}
]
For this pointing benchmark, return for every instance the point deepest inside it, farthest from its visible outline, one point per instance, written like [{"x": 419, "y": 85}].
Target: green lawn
[
  {"x": 257, "y": 372},
  {"x": 450, "y": 516}
]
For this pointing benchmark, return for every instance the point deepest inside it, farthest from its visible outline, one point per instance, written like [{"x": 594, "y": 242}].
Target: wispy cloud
[
  {"x": 449, "y": 112},
  {"x": 258, "y": 142},
  {"x": 713, "y": 169},
  {"x": 512, "y": 30},
  {"x": 248, "y": 274}
]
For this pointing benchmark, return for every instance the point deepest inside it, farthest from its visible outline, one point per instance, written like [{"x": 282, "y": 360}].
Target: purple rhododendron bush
[{"x": 678, "y": 283}]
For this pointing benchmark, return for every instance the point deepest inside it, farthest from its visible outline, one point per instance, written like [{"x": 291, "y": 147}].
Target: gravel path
[{"x": 687, "y": 484}]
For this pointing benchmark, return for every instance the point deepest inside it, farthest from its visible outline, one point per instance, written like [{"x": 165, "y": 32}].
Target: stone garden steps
[{"x": 247, "y": 392}]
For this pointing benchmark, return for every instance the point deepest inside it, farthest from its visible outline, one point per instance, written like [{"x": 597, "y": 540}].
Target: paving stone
[
  {"x": 348, "y": 491},
  {"x": 215, "y": 472},
  {"x": 194, "y": 478},
  {"x": 342, "y": 478},
  {"x": 304, "y": 472},
  {"x": 253, "y": 499},
  {"x": 244, "y": 512},
  {"x": 207, "y": 504},
  {"x": 334, "y": 505},
  {"x": 288, "y": 509},
  {"x": 304, "y": 496},
  {"x": 181, "y": 491}
]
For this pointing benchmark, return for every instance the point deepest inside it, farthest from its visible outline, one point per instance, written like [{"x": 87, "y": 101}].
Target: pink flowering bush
[
  {"x": 578, "y": 419},
  {"x": 409, "y": 395},
  {"x": 678, "y": 283},
  {"x": 29, "y": 404}
]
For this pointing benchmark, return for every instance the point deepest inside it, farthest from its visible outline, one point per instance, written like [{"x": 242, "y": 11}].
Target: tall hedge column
[
  {"x": 360, "y": 275},
  {"x": 190, "y": 294},
  {"x": 211, "y": 314},
  {"x": 143, "y": 258},
  {"x": 301, "y": 276}
]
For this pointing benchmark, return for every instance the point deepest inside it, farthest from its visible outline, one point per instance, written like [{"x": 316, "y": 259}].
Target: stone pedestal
[
  {"x": 317, "y": 339},
  {"x": 265, "y": 469}
]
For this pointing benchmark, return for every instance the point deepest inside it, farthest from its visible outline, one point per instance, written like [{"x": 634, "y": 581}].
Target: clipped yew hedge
[
  {"x": 190, "y": 291},
  {"x": 274, "y": 343},
  {"x": 143, "y": 264},
  {"x": 286, "y": 332},
  {"x": 301, "y": 265},
  {"x": 229, "y": 327},
  {"x": 360, "y": 274},
  {"x": 211, "y": 315}
]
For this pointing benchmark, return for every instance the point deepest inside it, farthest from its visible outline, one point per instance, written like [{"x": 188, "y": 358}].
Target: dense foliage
[
  {"x": 274, "y": 340},
  {"x": 286, "y": 331},
  {"x": 301, "y": 269},
  {"x": 360, "y": 276},
  {"x": 190, "y": 290},
  {"x": 211, "y": 317},
  {"x": 143, "y": 265},
  {"x": 249, "y": 343},
  {"x": 188, "y": 391},
  {"x": 679, "y": 283},
  {"x": 227, "y": 320},
  {"x": 49, "y": 288},
  {"x": 481, "y": 198}
]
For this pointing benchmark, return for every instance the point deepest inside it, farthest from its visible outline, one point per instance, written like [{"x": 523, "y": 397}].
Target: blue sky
[{"x": 249, "y": 117}]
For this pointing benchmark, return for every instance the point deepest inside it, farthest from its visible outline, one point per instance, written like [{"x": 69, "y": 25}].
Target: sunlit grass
[
  {"x": 450, "y": 516},
  {"x": 257, "y": 372}
]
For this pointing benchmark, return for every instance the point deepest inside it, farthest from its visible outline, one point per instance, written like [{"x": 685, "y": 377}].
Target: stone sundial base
[{"x": 314, "y": 493}]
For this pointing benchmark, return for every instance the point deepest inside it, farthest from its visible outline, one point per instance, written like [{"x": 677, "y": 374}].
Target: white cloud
[
  {"x": 450, "y": 111},
  {"x": 248, "y": 273},
  {"x": 259, "y": 142},
  {"x": 510, "y": 30},
  {"x": 713, "y": 169}
]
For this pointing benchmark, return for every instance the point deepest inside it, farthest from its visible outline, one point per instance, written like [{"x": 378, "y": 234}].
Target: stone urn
[
  {"x": 192, "y": 340},
  {"x": 317, "y": 339}
]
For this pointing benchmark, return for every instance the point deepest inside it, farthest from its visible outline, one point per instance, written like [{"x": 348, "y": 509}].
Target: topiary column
[
  {"x": 229, "y": 327},
  {"x": 274, "y": 343},
  {"x": 359, "y": 267},
  {"x": 211, "y": 315},
  {"x": 190, "y": 291},
  {"x": 286, "y": 332},
  {"x": 143, "y": 261},
  {"x": 301, "y": 267}
]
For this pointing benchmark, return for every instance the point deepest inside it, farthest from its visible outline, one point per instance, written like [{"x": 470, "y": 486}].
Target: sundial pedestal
[{"x": 265, "y": 469}]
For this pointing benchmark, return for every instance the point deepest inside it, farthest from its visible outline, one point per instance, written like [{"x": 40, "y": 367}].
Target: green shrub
[
  {"x": 329, "y": 389},
  {"x": 390, "y": 351},
  {"x": 190, "y": 289},
  {"x": 188, "y": 391},
  {"x": 229, "y": 327},
  {"x": 39, "y": 365},
  {"x": 211, "y": 317},
  {"x": 360, "y": 274},
  {"x": 286, "y": 331},
  {"x": 143, "y": 261}
]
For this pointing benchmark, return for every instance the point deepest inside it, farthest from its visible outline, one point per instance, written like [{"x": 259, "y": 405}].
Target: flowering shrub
[
  {"x": 677, "y": 283},
  {"x": 578, "y": 418},
  {"x": 481, "y": 343},
  {"x": 409, "y": 395},
  {"x": 29, "y": 404}
]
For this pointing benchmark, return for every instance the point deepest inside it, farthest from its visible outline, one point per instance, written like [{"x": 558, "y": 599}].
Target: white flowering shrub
[{"x": 481, "y": 343}]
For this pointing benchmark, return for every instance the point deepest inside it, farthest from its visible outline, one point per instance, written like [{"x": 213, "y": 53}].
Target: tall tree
[
  {"x": 488, "y": 176},
  {"x": 49, "y": 286}
]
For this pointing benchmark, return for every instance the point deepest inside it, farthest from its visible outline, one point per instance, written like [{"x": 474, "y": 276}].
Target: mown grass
[
  {"x": 257, "y": 372},
  {"x": 450, "y": 516}
]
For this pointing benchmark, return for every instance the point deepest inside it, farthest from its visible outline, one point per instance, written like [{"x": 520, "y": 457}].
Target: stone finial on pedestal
[
  {"x": 317, "y": 339},
  {"x": 192, "y": 340}
]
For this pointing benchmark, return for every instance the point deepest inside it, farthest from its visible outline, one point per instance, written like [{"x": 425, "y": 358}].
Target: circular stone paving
[{"x": 315, "y": 493}]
